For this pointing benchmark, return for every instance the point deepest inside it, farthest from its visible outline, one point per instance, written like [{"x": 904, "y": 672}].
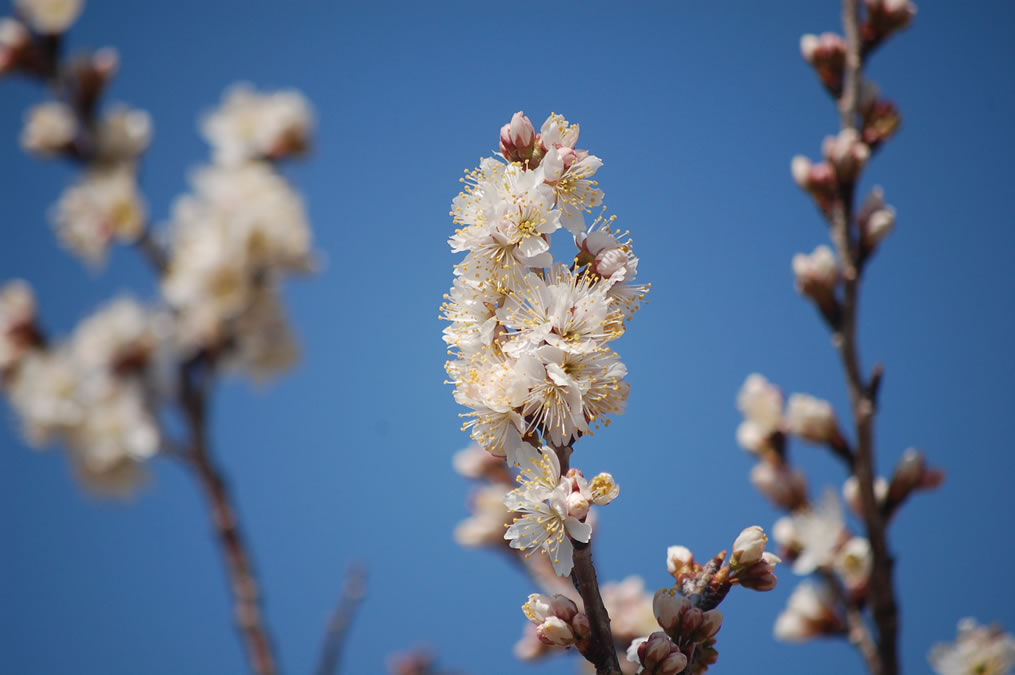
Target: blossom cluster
[
  {"x": 530, "y": 335},
  {"x": 984, "y": 650},
  {"x": 102, "y": 392}
]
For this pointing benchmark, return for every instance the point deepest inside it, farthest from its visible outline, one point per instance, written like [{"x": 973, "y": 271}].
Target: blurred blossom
[
  {"x": 875, "y": 219},
  {"x": 630, "y": 608},
  {"x": 761, "y": 404},
  {"x": 123, "y": 133},
  {"x": 851, "y": 493},
  {"x": 784, "y": 486},
  {"x": 252, "y": 125},
  {"x": 17, "y": 323},
  {"x": 486, "y": 525},
  {"x": 104, "y": 205},
  {"x": 816, "y": 273},
  {"x": 50, "y": 128},
  {"x": 819, "y": 532},
  {"x": 119, "y": 337},
  {"x": 979, "y": 650},
  {"x": 49, "y": 16},
  {"x": 812, "y": 419},
  {"x": 810, "y": 612},
  {"x": 44, "y": 394},
  {"x": 853, "y": 565}
]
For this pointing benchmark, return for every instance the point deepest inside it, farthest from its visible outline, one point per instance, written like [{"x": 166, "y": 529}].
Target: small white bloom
[
  {"x": 252, "y": 125},
  {"x": 544, "y": 523},
  {"x": 761, "y": 404},
  {"x": 816, "y": 273},
  {"x": 810, "y": 612},
  {"x": 49, "y": 129},
  {"x": 104, "y": 205},
  {"x": 123, "y": 133},
  {"x": 854, "y": 562},
  {"x": 820, "y": 532},
  {"x": 748, "y": 547}
]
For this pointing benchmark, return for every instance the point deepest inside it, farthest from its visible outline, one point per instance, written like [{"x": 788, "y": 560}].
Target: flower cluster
[
  {"x": 557, "y": 620},
  {"x": 984, "y": 650},
  {"x": 101, "y": 392},
  {"x": 554, "y": 508},
  {"x": 530, "y": 335}
]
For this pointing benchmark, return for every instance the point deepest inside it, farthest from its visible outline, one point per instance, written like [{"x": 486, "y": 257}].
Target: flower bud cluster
[
  {"x": 557, "y": 620},
  {"x": 687, "y": 635},
  {"x": 553, "y": 509},
  {"x": 827, "y": 53},
  {"x": 530, "y": 336},
  {"x": 885, "y": 17},
  {"x": 765, "y": 424},
  {"x": 97, "y": 393}
]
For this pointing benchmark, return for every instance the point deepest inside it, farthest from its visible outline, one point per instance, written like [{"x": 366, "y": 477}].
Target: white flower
[
  {"x": 49, "y": 16},
  {"x": 263, "y": 343},
  {"x": 44, "y": 395},
  {"x": 979, "y": 650},
  {"x": 545, "y": 523},
  {"x": 485, "y": 527},
  {"x": 811, "y": 611},
  {"x": 820, "y": 531},
  {"x": 761, "y": 404},
  {"x": 122, "y": 334},
  {"x": 854, "y": 562},
  {"x": 104, "y": 205},
  {"x": 679, "y": 560},
  {"x": 811, "y": 418},
  {"x": 251, "y": 125},
  {"x": 17, "y": 322},
  {"x": 123, "y": 133},
  {"x": 49, "y": 128}
]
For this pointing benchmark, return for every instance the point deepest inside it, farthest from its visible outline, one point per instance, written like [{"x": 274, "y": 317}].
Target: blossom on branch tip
[
  {"x": 557, "y": 619},
  {"x": 517, "y": 138},
  {"x": 104, "y": 205},
  {"x": 761, "y": 404},
  {"x": 983, "y": 650},
  {"x": 251, "y": 125}
]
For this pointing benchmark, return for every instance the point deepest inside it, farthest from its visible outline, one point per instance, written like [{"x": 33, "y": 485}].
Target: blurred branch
[
  {"x": 353, "y": 591},
  {"x": 861, "y": 393},
  {"x": 242, "y": 580}
]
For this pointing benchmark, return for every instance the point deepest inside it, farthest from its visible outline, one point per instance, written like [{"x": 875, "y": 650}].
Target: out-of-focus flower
[
  {"x": 816, "y": 273},
  {"x": 983, "y": 650},
  {"x": 44, "y": 394},
  {"x": 812, "y": 419},
  {"x": 49, "y": 16},
  {"x": 679, "y": 561},
  {"x": 123, "y": 133},
  {"x": 810, "y": 612},
  {"x": 50, "y": 128},
  {"x": 875, "y": 219},
  {"x": 120, "y": 337},
  {"x": 827, "y": 53},
  {"x": 476, "y": 463},
  {"x": 104, "y": 205},
  {"x": 253, "y": 125},
  {"x": 485, "y": 527},
  {"x": 847, "y": 153},
  {"x": 785, "y": 487},
  {"x": 630, "y": 608},
  {"x": 885, "y": 17},
  {"x": 761, "y": 404},
  {"x": 18, "y": 332},
  {"x": 263, "y": 344},
  {"x": 14, "y": 38},
  {"x": 851, "y": 493},
  {"x": 853, "y": 565},
  {"x": 912, "y": 473},
  {"x": 819, "y": 531}
]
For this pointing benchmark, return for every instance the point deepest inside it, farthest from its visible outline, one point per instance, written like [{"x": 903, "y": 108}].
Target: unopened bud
[
  {"x": 658, "y": 655},
  {"x": 847, "y": 153},
  {"x": 679, "y": 560},
  {"x": 784, "y": 487},
  {"x": 748, "y": 547},
  {"x": 668, "y": 608},
  {"x": 554, "y": 631},
  {"x": 827, "y": 53},
  {"x": 517, "y": 138},
  {"x": 817, "y": 273},
  {"x": 875, "y": 219},
  {"x": 577, "y": 505},
  {"x": 581, "y": 626},
  {"x": 711, "y": 622},
  {"x": 690, "y": 621},
  {"x": 761, "y": 575},
  {"x": 563, "y": 607}
]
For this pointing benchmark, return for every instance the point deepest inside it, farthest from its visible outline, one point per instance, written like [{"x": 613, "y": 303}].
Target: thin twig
[
  {"x": 353, "y": 591},
  {"x": 242, "y": 580},
  {"x": 882, "y": 594},
  {"x": 856, "y": 630}
]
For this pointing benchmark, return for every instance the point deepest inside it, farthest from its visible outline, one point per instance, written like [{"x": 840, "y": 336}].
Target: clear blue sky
[{"x": 696, "y": 109}]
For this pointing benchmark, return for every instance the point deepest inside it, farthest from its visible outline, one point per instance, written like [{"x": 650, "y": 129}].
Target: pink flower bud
[
  {"x": 563, "y": 607},
  {"x": 581, "y": 626},
  {"x": 577, "y": 505},
  {"x": 817, "y": 273},
  {"x": 761, "y": 575},
  {"x": 847, "y": 153},
  {"x": 517, "y": 138},
  {"x": 710, "y": 625}
]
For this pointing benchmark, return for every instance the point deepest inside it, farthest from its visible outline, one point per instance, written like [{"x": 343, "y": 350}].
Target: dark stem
[
  {"x": 602, "y": 653},
  {"x": 861, "y": 394},
  {"x": 233, "y": 548},
  {"x": 338, "y": 627}
]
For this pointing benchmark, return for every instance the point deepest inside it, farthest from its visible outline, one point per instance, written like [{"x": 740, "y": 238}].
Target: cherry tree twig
[
  {"x": 861, "y": 392},
  {"x": 353, "y": 591}
]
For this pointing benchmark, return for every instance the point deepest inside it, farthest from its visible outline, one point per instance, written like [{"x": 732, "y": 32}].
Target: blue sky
[{"x": 696, "y": 110}]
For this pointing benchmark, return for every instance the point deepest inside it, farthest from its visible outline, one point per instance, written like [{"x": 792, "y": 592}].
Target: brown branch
[
  {"x": 233, "y": 548},
  {"x": 882, "y": 593},
  {"x": 353, "y": 591},
  {"x": 856, "y": 630},
  {"x": 602, "y": 652}
]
